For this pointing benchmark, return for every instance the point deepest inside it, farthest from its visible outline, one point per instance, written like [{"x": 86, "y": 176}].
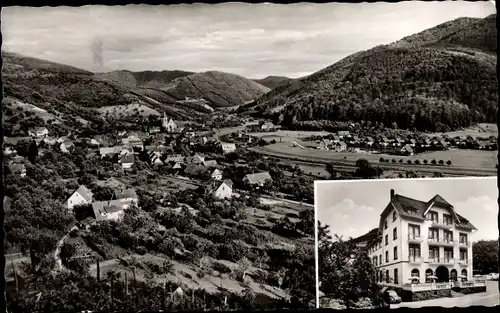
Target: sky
[
  {"x": 252, "y": 40},
  {"x": 353, "y": 208}
]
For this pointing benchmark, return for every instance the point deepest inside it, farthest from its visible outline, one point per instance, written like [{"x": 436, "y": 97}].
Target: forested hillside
[{"x": 443, "y": 78}]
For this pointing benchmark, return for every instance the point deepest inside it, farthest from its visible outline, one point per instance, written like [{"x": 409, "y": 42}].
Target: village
[{"x": 167, "y": 169}]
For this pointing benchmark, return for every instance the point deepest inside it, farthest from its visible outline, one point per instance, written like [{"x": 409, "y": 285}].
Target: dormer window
[
  {"x": 394, "y": 216},
  {"x": 432, "y": 216}
]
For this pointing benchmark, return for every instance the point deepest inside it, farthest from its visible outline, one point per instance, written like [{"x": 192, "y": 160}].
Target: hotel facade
[{"x": 422, "y": 244}]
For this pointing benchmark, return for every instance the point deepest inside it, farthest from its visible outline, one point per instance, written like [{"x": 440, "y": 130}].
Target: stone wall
[{"x": 469, "y": 290}]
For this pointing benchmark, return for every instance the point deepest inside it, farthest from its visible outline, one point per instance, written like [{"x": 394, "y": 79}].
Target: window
[
  {"x": 387, "y": 278},
  {"x": 432, "y": 216},
  {"x": 448, "y": 254},
  {"x": 394, "y": 216},
  {"x": 395, "y": 233},
  {"x": 464, "y": 273},
  {"x": 433, "y": 253},
  {"x": 381, "y": 276},
  {"x": 385, "y": 224},
  {"x": 396, "y": 281},
  {"x": 463, "y": 238},
  {"x": 386, "y": 240},
  {"x": 415, "y": 273},
  {"x": 448, "y": 236},
  {"x": 428, "y": 273},
  {"x": 380, "y": 259},
  {"x": 386, "y": 256},
  {"x": 395, "y": 253},
  {"x": 413, "y": 231},
  {"x": 463, "y": 255},
  {"x": 414, "y": 252},
  {"x": 447, "y": 220},
  {"x": 433, "y": 234}
]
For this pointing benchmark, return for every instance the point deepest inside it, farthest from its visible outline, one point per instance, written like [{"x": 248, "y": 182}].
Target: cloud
[
  {"x": 482, "y": 212},
  {"x": 256, "y": 40},
  {"x": 483, "y": 203},
  {"x": 348, "y": 205}
]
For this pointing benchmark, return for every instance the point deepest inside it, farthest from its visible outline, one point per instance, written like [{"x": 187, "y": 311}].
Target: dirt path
[{"x": 57, "y": 252}]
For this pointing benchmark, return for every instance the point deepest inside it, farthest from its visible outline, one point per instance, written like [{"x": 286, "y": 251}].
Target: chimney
[{"x": 392, "y": 194}]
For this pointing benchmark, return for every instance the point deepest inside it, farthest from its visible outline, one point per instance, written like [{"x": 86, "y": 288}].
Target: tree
[
  {"x": 243, "y": 266},
  {"x": 485, "y": 256},
  {"x": 33, "y": 152},
  {"x": 448, "y": 162},
  {"x": 425, "y": 161},
  {"x": 441, "y": 162},
  {"x": 68, "y": 250},
  {"x": 433, "y": 162}
]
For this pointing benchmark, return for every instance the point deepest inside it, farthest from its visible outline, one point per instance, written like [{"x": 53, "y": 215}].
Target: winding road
[{"x": 57, "y": 252}]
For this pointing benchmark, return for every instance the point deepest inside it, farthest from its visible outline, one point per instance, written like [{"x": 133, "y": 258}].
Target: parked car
[
  {"x": 492, "y": 276},
  {"x": 391, "y": 297}
]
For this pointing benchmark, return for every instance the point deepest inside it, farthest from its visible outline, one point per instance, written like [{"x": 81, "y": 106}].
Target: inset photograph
[{"x": 407, "y": 243}]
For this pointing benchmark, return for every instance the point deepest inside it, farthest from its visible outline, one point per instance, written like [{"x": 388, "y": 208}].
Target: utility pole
[{"x": 15, "y": 276}]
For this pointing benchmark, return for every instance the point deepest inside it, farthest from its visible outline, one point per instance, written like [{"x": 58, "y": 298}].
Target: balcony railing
[
  {"x": 441, "y": 241},
  {"x": 441, "y": 260},
  {"x": 463, "y": 261},
  {"x": 470, "y": 283},
  {"x": 415, "y": 238},
  {"x": 427, "y": 286},
  {"x": 441, "y": 223},
  {"x": 464, "y": 244},
  {"x": 415, "y": 259}
]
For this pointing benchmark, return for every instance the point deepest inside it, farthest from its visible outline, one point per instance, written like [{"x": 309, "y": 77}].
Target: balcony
[
  {"x": 443, "y": 261},
  {"x": 440, "y": 223},
  {"x": 464, "y": 244},
  {"x": 441, "y": 242},
  {"x": 412, "y": 238},
  {"x": 463, "y": 262},
  {"x": 415, "y": 259}
]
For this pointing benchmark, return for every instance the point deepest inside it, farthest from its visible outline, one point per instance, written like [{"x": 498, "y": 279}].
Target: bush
[
  {"x": 141, "y": 250},
  {"x": 382, "y": 160},
  {"x": 441, "y": 162},
  {"x": 425, "y": 161},
  {"x": 221, "y": 268},
  {"x": 401, "y": 161},
  {"x": 417, "y": 162},
  {"x": 448, "y": 162},
  {"x": 433, "y": 162},
  {"x": 393, "y": 160},
  {"x": 409, "y": 161}
]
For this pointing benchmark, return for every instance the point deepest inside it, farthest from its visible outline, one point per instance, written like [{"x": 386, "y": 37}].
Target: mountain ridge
[{"x": 403, "y": 82}]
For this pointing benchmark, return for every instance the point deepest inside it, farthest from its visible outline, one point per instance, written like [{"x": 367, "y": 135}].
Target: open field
[
  {"x": 289, "y": 135},
  {"x": 484, "y": 160},
  {"x": 19, "y": 105},
  {"x": 480, "y": 130},
  {"x": 128, "y": 110}
]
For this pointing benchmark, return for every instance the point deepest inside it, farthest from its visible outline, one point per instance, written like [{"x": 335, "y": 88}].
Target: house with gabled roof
[
  {"x": 257, "y": 179},
  {"x": 407, "y": 150},
  {"x": 216, "y": 174},
  {"x": 196, "y": 159},
  {"x": 110, "y": 210},
  {"x": 340, "y": 146},
  {"x": 38, "y": 132},
  {"x": 80, "y": 196},
  {"x": 220, "y": 189},
  {"x": 66, "y": 146},
  {"x": 126, "y": 195},
  {"x": 127, "y": 160},
  {"x": 227, "y": 147},
  {"x": 417, "y": 240},
  {"x": 325, "y": 144},
  {"x": 343, "y": 133}
]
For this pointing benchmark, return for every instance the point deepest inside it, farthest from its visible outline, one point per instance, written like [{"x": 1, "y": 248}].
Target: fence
[{"x": 427, "y": 286}]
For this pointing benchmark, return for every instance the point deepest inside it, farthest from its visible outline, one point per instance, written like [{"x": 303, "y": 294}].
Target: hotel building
[{"x": 418, "y": 242}]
